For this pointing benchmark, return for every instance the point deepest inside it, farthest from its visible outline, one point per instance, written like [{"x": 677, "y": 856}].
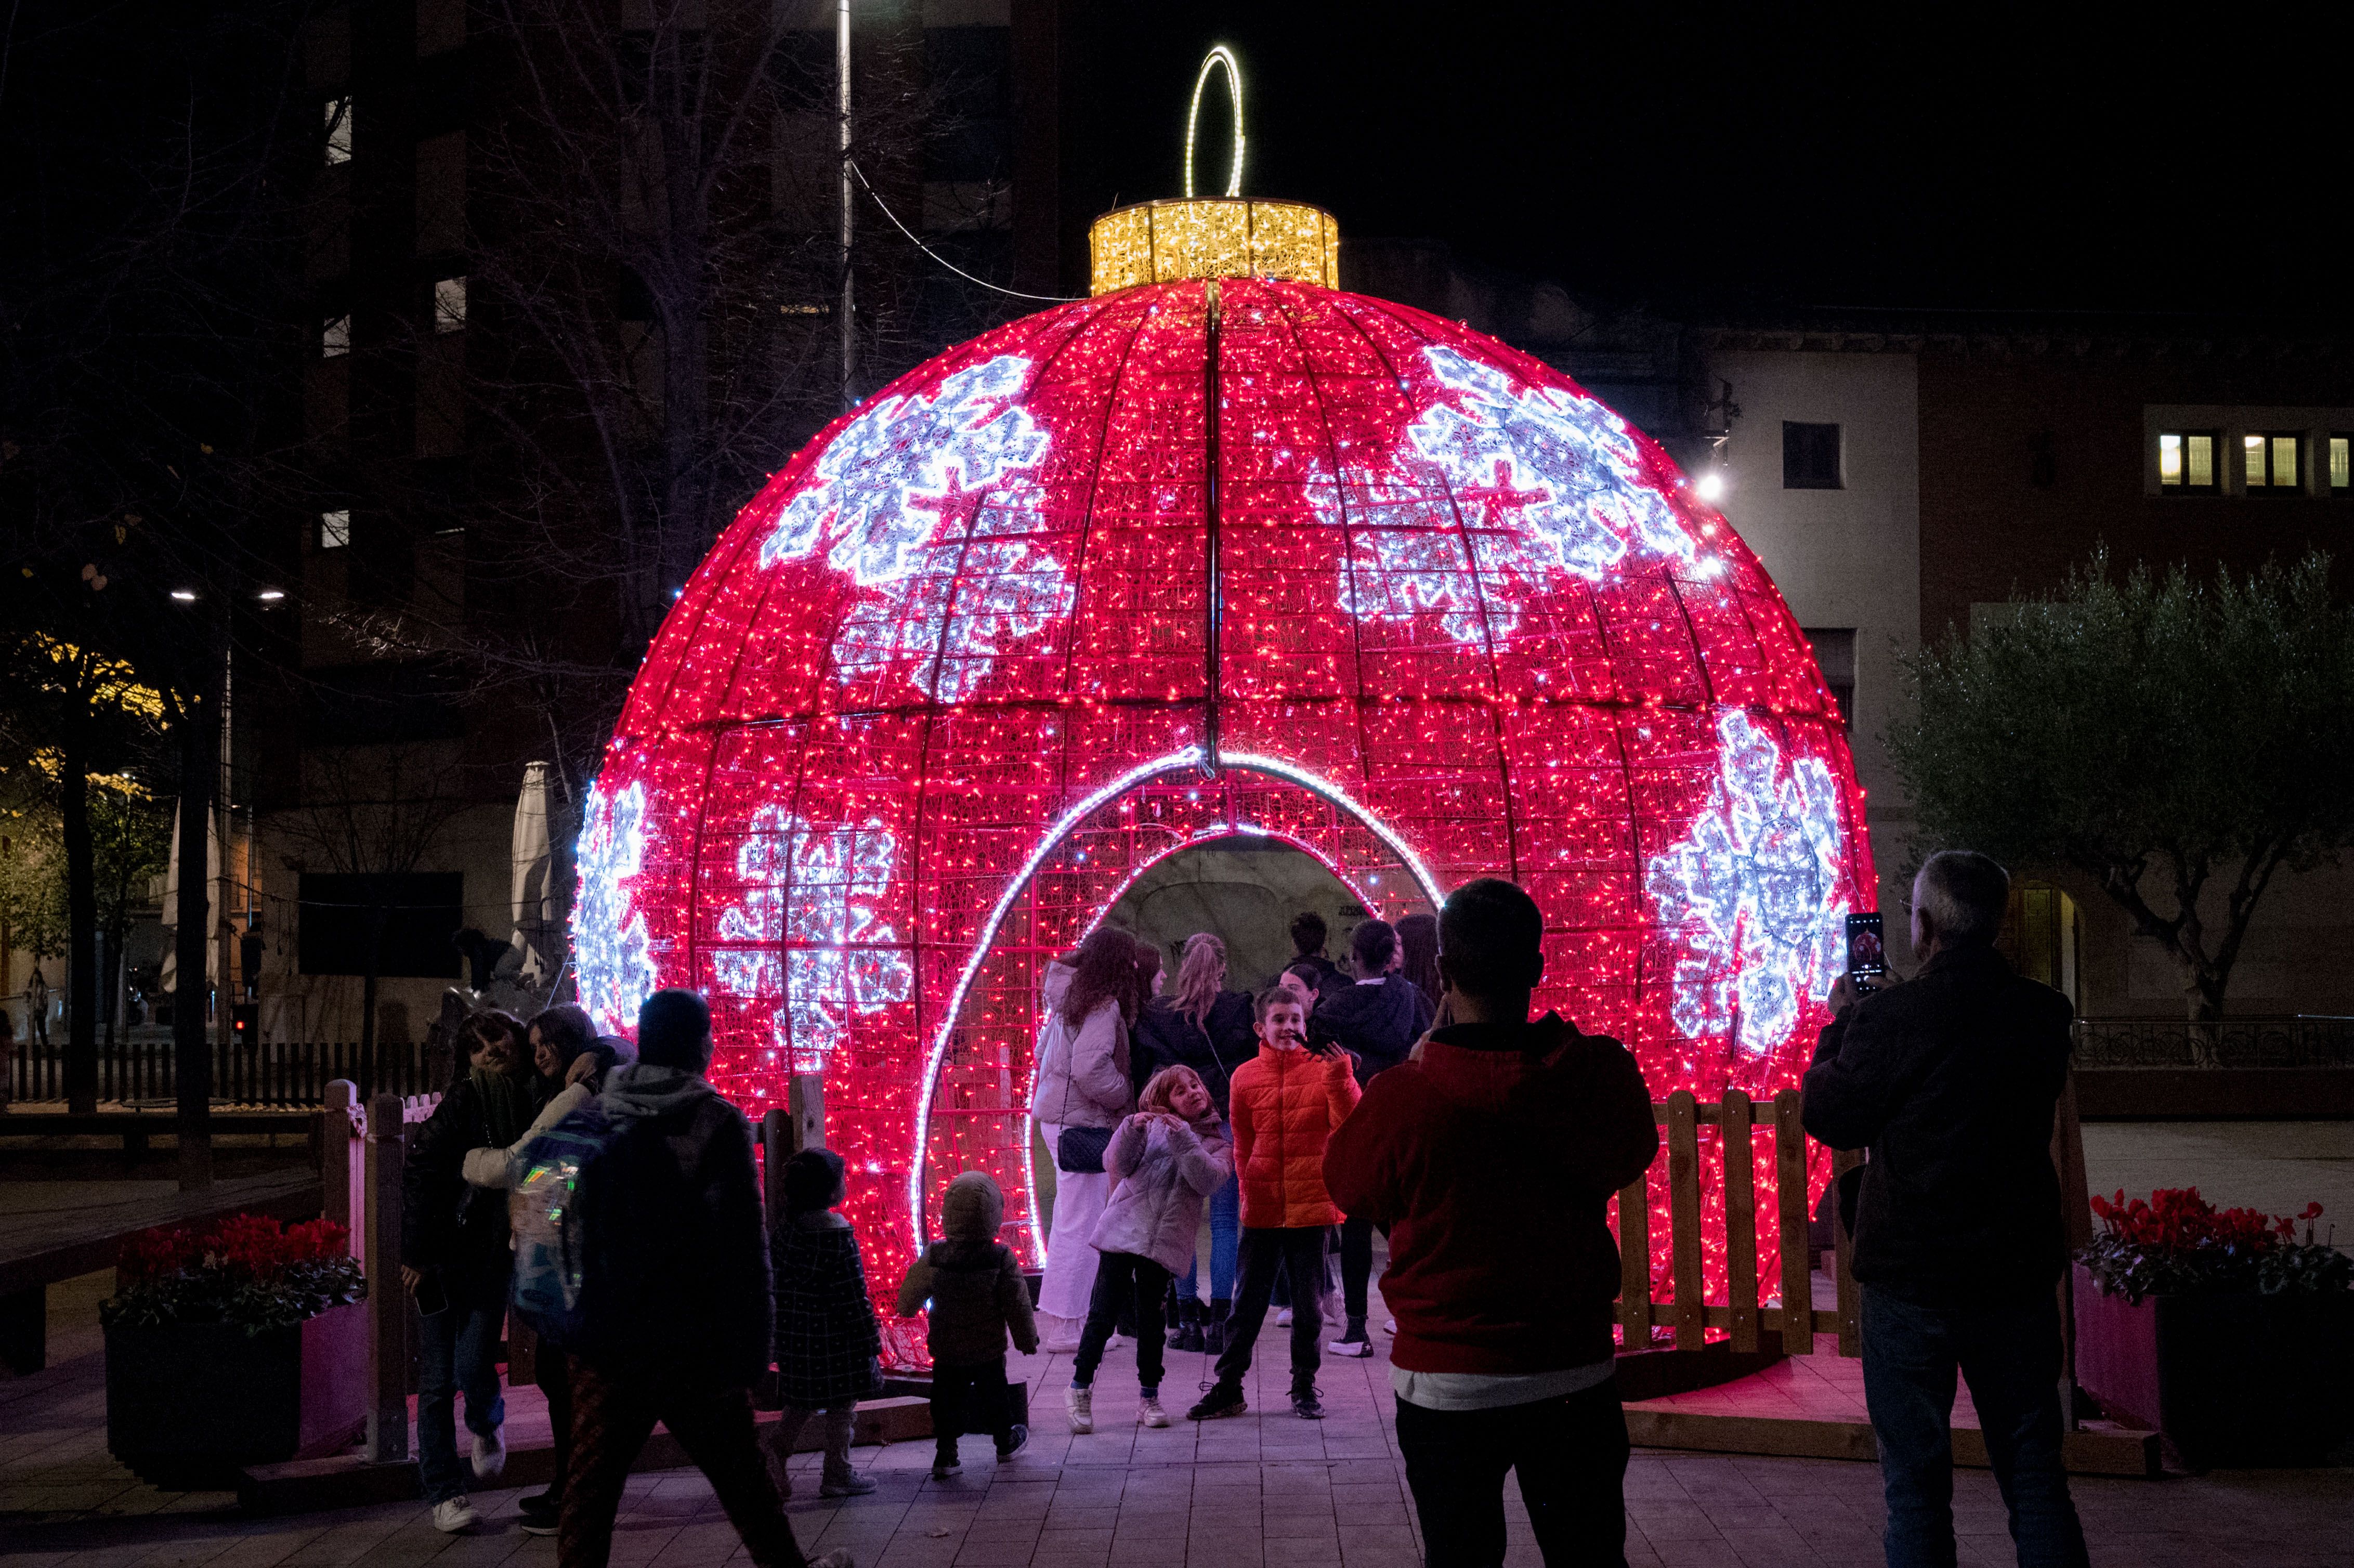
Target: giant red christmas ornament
[{"x": 1212, "y": 555}]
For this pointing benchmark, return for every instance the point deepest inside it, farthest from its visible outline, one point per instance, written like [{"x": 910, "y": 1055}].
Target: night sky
[{"x": 1910, "y": 159}]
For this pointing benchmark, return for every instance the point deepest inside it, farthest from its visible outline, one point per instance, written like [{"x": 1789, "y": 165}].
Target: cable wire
[{"x": 1049, "y": 299}]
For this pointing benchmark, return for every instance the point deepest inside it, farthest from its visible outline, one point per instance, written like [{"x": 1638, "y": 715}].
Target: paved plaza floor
[{"x": 1266, "y": 1491}]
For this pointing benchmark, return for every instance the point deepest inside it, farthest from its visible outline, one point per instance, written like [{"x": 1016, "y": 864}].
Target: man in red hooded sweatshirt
[{"x": 1491, "y": 1157}]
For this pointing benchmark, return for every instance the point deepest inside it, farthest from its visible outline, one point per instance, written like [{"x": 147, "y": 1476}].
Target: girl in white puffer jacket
[{"x": 1082, "y": 1083}]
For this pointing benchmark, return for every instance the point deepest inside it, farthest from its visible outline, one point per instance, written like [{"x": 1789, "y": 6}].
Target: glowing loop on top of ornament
[
  {"x": 612, "y": 956},
  {"x": 813, "y": 898},
  {"x": 1495, "y": 482},
  {"x": 922, "y": 496},
  {"x": 1755, "y": 888}
]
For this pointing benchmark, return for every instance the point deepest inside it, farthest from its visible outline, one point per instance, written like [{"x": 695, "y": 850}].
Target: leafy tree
[{"x": 2153, "y": 732}]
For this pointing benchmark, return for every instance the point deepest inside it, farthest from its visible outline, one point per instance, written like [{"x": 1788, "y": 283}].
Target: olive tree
[{"x": 2157, "y": 732}]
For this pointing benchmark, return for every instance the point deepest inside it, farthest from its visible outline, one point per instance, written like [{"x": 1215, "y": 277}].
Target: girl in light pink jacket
[{"x": 1168, "y": 1159}]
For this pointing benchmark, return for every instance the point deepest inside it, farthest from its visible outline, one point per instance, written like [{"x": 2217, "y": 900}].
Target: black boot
[
  {"x": 1213, "y": 1331},
  {"x": 1189, "y": 1326}
]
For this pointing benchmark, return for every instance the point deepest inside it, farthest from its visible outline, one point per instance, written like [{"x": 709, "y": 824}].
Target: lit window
[
  {"x": 339, "y": 131},
  {"x": 334, "y": 529},
  {"x": 2341, "y": 464},
  {"x": 2186, "y": 460},
  {"x": 336, "y": 340},
  {"x": 1810, "y": 456},
  {"x": 2271, "y": 463},
  {"x": 449, "y": 305}
]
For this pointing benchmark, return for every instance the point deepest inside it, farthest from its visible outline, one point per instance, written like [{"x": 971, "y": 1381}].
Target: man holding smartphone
[{"x": 1950, "y": 1080}]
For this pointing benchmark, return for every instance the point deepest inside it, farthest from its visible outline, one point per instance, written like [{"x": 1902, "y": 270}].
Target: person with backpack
[
  {"x": 1376, "y": 1020},
  {"x": 455, "y": 1261},
  {"x": 828, "y": 1343},
  {"x": 1167, "y": 1158},
  {"x": 1491, "y": 1154},
  {"x": 1202, "y": 1026},
  {"x": 672, "y": 1321},
  {"x": 972, "y": 1289}
]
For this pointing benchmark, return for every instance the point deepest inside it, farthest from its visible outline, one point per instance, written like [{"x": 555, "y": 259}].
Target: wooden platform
[
  {"x": 1812, "y": 1408},
  {"x": 349, "y": 1480},
  {"x": 38, "y": 1250}
]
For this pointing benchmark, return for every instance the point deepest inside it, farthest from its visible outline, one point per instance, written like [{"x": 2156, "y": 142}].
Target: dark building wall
[{"x": 2032, "y": 455}]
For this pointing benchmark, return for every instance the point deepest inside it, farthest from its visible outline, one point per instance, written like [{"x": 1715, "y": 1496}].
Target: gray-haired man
[{"x": 1950, "y": 1080}]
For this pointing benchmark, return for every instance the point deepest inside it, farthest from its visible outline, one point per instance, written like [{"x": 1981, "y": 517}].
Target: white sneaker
[
  {"x": 490, "y": 1453},
  {"x": 839, "y": 1557},
  {"x": 451, "y": 1515},
  {"x": 1081, "y": 1402},
  {"x": 1283, "y": 1318},
  {"x": 1351, "y": 1347},
  {"x": 1149, "y": 1414},
  {"x": 1389, "y": 1327}
]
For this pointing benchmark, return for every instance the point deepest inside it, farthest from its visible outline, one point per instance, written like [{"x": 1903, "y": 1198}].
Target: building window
[
  {"x": 2341, "y": 463},
  {"x": 2271, "y": 463},
  {"x": 1811, "y": 455},
  {"x": 1835, "y": 657},
  {"x": 339, "y": 130},
  {"x": 2186, "y": 461},
  {"x": 450, "y": 305},
  {"x": 334, "y": 529},
  {"x": 335, "y": 338}
]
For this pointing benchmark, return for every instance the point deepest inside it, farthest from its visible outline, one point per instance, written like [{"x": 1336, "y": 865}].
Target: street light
[
  {"x": 185, "y": 596},
  {"x": 270, "y": 595},
  {"x": 1712, "y": 486}
]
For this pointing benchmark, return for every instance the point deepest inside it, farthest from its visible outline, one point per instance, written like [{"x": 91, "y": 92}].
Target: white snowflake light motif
[
  {"x": 610, "y": 954},
  {"x": 813, "y": 903},
  {"x": 1540, "y": 480},
  {"x": 1756, "y": 890},
  {"x": 923, "y": 496}
]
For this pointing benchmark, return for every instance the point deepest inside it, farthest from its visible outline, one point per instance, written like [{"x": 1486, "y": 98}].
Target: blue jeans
[
  {"x": 455, "y": 1348},
  {"x": 1226, "y": 1234},
  {"x": 2010, "y": 1351}
]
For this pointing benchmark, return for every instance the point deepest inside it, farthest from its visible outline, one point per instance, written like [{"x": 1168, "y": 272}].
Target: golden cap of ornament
[{"x": 1213, "y": 236}]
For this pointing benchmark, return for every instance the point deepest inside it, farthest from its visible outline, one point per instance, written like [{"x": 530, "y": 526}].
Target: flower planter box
[
  {"x": 190, "y": 1405},
  {"x": 2228, "y": 1379}
]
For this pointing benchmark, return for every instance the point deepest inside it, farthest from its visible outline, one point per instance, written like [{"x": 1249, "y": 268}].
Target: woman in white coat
[{"x": 1083, "y": 1082}]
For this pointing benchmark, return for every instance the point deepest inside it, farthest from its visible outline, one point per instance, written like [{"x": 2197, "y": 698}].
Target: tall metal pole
[
  {"x": 843, "y": 308},
  {"x": 224, "y": 828}
]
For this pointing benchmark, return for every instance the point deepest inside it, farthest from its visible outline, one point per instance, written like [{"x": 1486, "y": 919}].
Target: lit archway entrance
[{"x": 974, "y": 1109}]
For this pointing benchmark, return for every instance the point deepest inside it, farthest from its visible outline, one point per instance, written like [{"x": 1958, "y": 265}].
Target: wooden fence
[
  {"x": 251, "y": 1072},
  {"x": 1688, "y": 1311}
]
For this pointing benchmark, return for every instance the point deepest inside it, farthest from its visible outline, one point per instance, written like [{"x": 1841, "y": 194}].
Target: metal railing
[
  {"x": 2301, "y": 1040},
  {"x": 254, "y": 1073}
]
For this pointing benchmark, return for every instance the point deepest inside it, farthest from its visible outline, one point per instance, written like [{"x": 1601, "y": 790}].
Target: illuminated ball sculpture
[{"x": 1224, "y": 550}]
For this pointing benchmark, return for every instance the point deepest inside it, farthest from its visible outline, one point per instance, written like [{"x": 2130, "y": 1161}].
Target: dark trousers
[
  {"x": 1570, "y": 1455},
  {"x": 1124, "y": 1281},
  {"x": 1356, "y": 1266},
  {"x": 553, "y": 1373},
  {"x": 613, "y": 1413},
  {"x": 2010, "y": 1350},
  {"x": 1301, "y": 1250},
  {"x": 970, "y": 1399}
]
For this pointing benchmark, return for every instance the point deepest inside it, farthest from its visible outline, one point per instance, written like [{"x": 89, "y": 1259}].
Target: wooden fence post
[
  {"x": 1635, "y": 1264},
  {"x": 332, "y": 1133},
  {"x": 1850, "y": 1304},
  {"x": 1683, "y": 1210},
  {"x": 806, "y": 1095},
  {"x": 387, "y": 1419},
  {"x": 1740, "y": 1218},
  {"x": 1790, "y": 1202}
]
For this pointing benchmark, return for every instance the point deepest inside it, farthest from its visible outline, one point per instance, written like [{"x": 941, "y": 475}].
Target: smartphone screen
[{"x": 1865, "y": 953}]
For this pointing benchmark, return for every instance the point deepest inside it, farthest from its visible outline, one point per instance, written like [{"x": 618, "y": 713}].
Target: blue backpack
[{"x": 561, "y": 1289}]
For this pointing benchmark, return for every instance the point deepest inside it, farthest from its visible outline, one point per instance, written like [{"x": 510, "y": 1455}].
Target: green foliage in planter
[
  {"x": 249, "y": 1271},
  {"x": 2177, "y": 1244}
]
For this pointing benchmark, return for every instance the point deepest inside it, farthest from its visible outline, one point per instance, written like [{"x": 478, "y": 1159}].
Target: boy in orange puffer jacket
[{"x": 1284, "y": 1104}]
